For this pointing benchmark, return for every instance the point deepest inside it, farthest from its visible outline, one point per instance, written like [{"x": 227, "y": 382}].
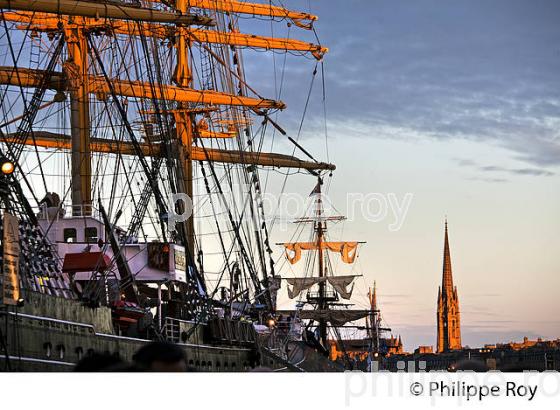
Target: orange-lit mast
[
  {"x": 183, "y": 124},
  {"x": 77, "y": 67}
]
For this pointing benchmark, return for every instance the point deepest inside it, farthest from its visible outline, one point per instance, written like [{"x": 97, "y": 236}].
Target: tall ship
[
  {"x": 325, "y": 315},
  {"x": 134, "y": 161}
]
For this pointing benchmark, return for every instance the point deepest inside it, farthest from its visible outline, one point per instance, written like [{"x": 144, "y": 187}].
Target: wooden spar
[
  {"x": 104, "y": 10},
  {"x": 134, "y": 89},
  {"x": 256, "y": 158},
  {"x": 215, "y": 135},
  {"x": 300, "y": 19},
  {"x": 247, "y": 40},
  {"x": 26, "y": 77},
  {"x": 63, "y": 142},
  {"x": 50, "y": 22}
]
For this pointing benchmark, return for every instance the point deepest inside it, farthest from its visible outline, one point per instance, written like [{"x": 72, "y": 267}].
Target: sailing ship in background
[
  {"x": 324, "y": 296},
  {"x": 116, "y": 106}
]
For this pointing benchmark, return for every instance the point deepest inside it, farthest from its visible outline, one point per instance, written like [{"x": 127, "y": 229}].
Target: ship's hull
[{"x": 53, "y": 334}]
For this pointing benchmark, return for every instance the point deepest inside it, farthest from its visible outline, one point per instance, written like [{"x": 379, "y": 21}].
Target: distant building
[
  {"x": 539, "y": 355},
  {"x": 359, "y": 349},
  {"x": 523, "y": 345},
  {"x": 448, "y": 316},
  {"x": 393, "y": 345},
  {"x": 424, "y": 350}
]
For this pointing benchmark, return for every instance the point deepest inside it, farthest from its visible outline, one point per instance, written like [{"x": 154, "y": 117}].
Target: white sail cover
[
  {"x": 301, "y": 284},
  {"x": 339, "y": 283},
  {"x": 335, "y": 317}
]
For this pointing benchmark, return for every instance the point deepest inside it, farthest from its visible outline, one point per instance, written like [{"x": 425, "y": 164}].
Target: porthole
[
  {"x": 61, "y": 351},
  {"x": 48, "y": 349}
]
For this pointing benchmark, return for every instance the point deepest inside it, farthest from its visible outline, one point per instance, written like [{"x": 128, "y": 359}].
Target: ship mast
[
  {"x": 374, "y": 320},
  {"x": 323, "y": 300},
  {"x": 183, "y": 124},
  {"x": 79, "y": 117},
  {"x": 320, "y": 229}
]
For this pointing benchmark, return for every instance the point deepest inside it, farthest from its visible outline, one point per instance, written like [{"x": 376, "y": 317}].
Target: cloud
[
  {"x": 535, "y": 172},
  {"x": 517, "y": 171},
  {"x": 471, "y": 69},
  {"x": 496, "y": 169},
  {"x": 491, "y": 180}
]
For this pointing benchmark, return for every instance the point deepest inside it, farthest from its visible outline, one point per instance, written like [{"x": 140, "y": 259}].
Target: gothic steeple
[
  {"x": 448, "y": 316},
  {"x": 447, "y": 279}
]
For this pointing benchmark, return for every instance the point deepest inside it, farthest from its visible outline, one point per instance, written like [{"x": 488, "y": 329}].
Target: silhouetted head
[
  {"x": 516, "y": 368},
  {"x": 161, "y": 357},
  {"x": 99, "y": 362}
]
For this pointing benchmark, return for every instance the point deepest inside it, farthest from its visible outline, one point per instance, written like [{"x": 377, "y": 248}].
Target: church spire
[
  {"x": 447, "y": 279},
  {"x": 448, "y": 315}
]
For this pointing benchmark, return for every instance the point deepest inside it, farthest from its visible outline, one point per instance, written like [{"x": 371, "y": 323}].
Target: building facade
[{"x": 448, "y": 315}]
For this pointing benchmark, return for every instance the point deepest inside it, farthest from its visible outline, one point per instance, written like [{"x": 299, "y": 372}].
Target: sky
[{"x": 458, "y": 105}]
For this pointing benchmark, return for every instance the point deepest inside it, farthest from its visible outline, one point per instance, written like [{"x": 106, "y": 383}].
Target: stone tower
[{"x": 448, "y": 317}]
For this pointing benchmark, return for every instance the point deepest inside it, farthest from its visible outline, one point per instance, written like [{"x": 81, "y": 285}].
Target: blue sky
[{"x": 457, "y": 103}]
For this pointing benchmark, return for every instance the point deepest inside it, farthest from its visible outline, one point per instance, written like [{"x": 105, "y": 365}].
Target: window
[
  {"x": 70, "y": 235},
  {"x": 48, "y": 349},
  {"x": 90, "y": 234}
]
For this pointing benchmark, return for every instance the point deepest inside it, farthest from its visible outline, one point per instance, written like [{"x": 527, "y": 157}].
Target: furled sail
[
  {"x": 301, "y": 284},
  {"x": 335, "y": 317},
  {"x": 347, "y": 250},
  {"x": 339, "y": 283}
]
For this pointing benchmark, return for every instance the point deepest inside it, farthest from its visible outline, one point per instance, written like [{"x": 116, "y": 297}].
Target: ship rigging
[{"x": 136, "y": 112}]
